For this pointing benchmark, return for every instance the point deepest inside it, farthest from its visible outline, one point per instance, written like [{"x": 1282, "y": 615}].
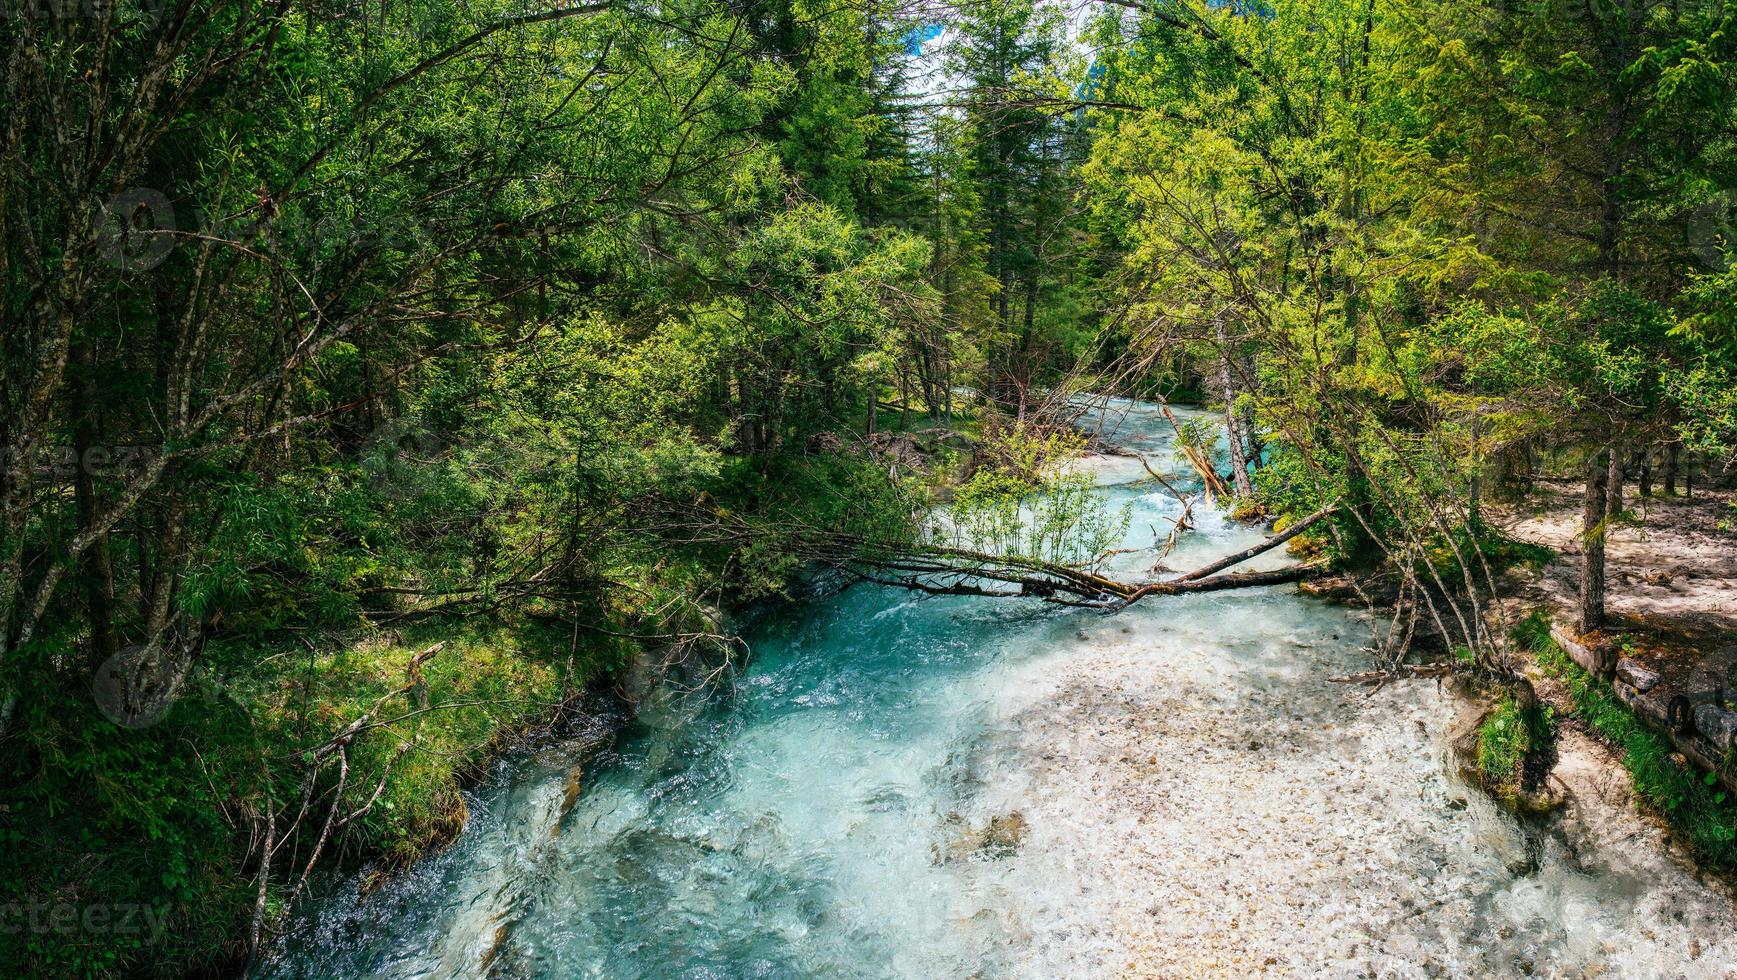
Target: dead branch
[
  {"x": 1265, "y": 546},
  {"x": 335, "y": 747}
]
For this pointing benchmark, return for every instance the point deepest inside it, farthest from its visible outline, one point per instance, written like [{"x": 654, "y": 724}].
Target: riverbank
[
  {"x": 348, "y": 748},
  {"x": 1672, "y": 634},
  {"x": 174, "y": 814},
  {"x": 1254, "y": 818}
]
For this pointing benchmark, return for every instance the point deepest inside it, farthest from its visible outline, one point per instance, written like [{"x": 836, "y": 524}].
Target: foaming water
[{"x": 929, "y": 786}]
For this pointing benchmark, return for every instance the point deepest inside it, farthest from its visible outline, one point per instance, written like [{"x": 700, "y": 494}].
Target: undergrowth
[
  {"x": 1508, "y": 736},
  {"x": 133, "y": 850}
]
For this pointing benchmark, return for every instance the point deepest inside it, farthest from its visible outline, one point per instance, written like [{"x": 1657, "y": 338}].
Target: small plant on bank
[{"x": 1508, "y": 737}]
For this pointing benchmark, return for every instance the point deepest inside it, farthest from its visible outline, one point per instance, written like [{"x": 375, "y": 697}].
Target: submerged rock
[{"x": 1000, "y": 837}]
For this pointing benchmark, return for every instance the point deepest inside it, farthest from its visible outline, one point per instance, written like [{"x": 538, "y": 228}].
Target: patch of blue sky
[{"x": 919, "y": 36}]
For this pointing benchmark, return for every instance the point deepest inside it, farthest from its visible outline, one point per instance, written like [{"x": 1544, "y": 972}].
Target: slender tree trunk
[
  {"x": 1249, "y": 431},
  {"x": 1592, "y": 544},
  {"x": 1613, "y": 486},
  {"x": 97, "y": 574},
  {"x": 1475, "y": 483},
  {"x": 1671, "y": 470},
  {"x": 1232, "y": 424},
  {"x": 1475, "y": 497},
  {"x": 874, "y": 407},
  {"x": 1645, "y": 477},
  {"x": 998, "y": 363}
]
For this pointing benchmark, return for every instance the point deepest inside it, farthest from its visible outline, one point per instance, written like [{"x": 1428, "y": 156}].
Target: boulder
[
  {"x": 1643, "y": 678},
  {"x": 1717, "y": 725}
]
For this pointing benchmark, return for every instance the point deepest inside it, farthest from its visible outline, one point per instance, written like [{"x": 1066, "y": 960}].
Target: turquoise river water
[{"x": 907, "y": 786}]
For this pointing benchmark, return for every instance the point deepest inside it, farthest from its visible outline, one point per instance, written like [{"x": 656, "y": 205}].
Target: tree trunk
[
  {"x": 96, "y": 573},
  {"x": 1028, "y": 328},
  {"x": 1249, "y": 431},
  {"x": 1232, "y": 424},
  {"x": 1475, "y": 497},
  {"x": 1671, "y": 470},
  {"x": 1644, "y": 462},
  {"x": 998, "y": 366},
  {"x": 1592, "y": 543},
  {"x": 874, "y": 407},
  {"x": 1613, "y": 486}
]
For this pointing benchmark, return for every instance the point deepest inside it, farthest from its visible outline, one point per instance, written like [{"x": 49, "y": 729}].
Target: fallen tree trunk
[
  {"x": 1265, "y": 546},
  {"x": 1116, "y": 597},
  {"x": 945, "y": 570},
  {"x": 1219, "y": 583},
  {"x": 950, "y": 571}
]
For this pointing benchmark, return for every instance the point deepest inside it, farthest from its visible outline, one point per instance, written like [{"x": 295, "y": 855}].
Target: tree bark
[
  {"x": 1671, "y": 470},
  {"x": 1613, "y": 485},
  {"x": 96, "y": 573},
  {"x": 1269, "y": 544},
  {"x": 1232, "y": 424},
  {"x": 1592, "y": 546},
  {"x": 1644, "y": 463}
]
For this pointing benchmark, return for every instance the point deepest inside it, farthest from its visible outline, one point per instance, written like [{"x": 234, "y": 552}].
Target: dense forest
[{"x": 381, "y": 378}]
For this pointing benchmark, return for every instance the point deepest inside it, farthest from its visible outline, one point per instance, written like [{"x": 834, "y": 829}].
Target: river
[{"x": 908, "y": 786}]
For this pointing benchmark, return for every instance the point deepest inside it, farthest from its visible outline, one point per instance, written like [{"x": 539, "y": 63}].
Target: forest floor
[
  {"x": 1673, "y": 562},
  {"x": 1671, "y": 579},
  {"x": 1672, "y": 603}
]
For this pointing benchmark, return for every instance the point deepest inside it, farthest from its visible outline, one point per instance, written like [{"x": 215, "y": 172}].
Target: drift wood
[{"x": 1265, "y": 546}]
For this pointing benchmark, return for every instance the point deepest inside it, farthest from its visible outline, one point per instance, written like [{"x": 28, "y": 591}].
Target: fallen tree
[
  {"x": 1265, "y": 546},
  {"x": 939, "y": 569}
]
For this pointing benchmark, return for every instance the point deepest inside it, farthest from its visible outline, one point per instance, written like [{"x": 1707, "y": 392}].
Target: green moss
[
  {"x": 1246, "y": 509},
  {"x": 1508, "y": 736},
  {"x": 1694, "y": 805}
]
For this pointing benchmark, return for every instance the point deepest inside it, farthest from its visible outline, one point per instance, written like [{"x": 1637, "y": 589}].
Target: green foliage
[
  {"x": 1029, "y": 503},
  {"x": 1508, "y": 736},
  {"x": 153, "y": 823},
  {"x": 585, "y": 318},
  {"x": 784, "y": 500}
]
